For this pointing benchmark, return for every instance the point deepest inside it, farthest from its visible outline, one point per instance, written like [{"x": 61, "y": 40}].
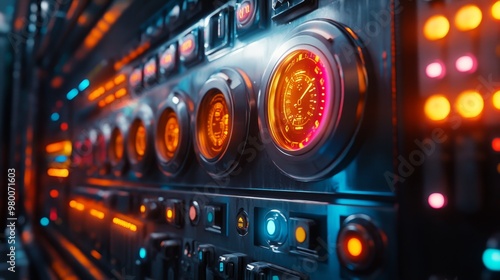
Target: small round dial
[
  {"x": 172, "y": 134},
  {"x": 298, "y": 100},
  {"x": 215, "y": 119}
]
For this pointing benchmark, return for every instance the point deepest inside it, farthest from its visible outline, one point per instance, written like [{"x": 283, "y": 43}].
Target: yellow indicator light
[
  {"x": 436, "y": 27},
  {"x": 96, "y": 213},
  {"x": 142, "y": 209},
  {"x": 58, "y": 172},
  {"x": 495, "y": 10},
  {"x": 62, "y": 148},
  {"x": 496, "y": 98},
  {"x": 300, "y": 234},
  {"x": 76, "y": 205},
  {"x": 124, "y": 224},
  {"x": 468, "y": 17},
  {"x": 470, "y": 104},
  {"x": 354, "y": 247},
  {"x": 170, "y": 213},
  {"x": 437, "y": 107}
]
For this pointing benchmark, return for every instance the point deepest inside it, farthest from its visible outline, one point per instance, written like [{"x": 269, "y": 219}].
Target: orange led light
[
  {"x": 102, "y": 103},
  {"x": 300, "y": 234},
  {"x": 135, "y": 77},
  {"x": 110, "y": 98},
  {"x": 436, "y": 27},
  {"x": 187, "y": 46},
  {"x": 437, "y": 107},
  {"x": 109, "y": 85},
  {"x": 142, "y": 209},
  {"x": 95, "y": 254},
  {"x": 496, "y": 99},
  {"x": 150, "y": 68},
  {"x": 495, "y": 144},
  {"x": 124, "y": 224},
  {"x": 120, "y": 93},
  {"x": 76, "y": 205},
  {"x": 96, "y": 213},
  {"x": 170, "y": 213},
  {"x": 166, "y": 59},
  {"x": 58, "y": 172},
  {"x": 119, "y": 79},
  {"x": 354, "y": 247},
  {"x": 469, "y": 104},
  {"x": 96, "y": 93},
  {"x": 63, "y": 148},
  {"x": 468, "y": 17},
  {"x": 495, "y": 10},
  {"x": 192, "y": 213},
  {"x": 140, "y": 140}
]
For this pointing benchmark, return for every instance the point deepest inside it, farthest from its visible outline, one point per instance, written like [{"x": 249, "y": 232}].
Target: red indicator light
[
  {"x": 436, "y": 200},
  {"x": 244, "y": 12},
  {"x": 187, "y": 45},
  {"x": 53, "y": 214},
  {"x": 135, "y": 77},
  {"x": 495, "y": 144},
  {"x": 64, "y": 126},
  {"x": 54, "y": 193},
  {"x": 150, "y": 68}
]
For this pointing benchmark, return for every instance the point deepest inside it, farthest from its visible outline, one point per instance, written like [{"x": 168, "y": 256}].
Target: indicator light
[
  {"x": 210, "y": 217},
  {"x": 124, "y": 224},
  {"x": 194, "y": 211},
  {"x": 64, "y": 126},
  {"x": 120, "y": 93},
  {"x": 469, "y": 104},
  {"x": 495, "y": 10},
  {"x": 271, "y": 227},
  {"x": 170, "y": 213},
  {"x": 96, "y": 93},
  {"x": 466, "y": 64},
  {"x": 437, "y": 107},
  {"x": 54, "y": 193},
  {"x": 58, "y": 172},
  {"x": 300, "y": 234},
  {"x": 142, "y": 209},
  {"x": 44, "y": 221},
  {"x": 53, "y": 214},
  {"x": 117, "y": 146},
  {"x": 72, "y": 94},
  {"x": 354, "y": 247},
  {"x": 96, "y": 213},
  {"x": 436, "y": 200},
  {"x": 244, "y": 12},
  {"x": 468, "y": 17},
  {"x": 496, "y": 99},
  {"x": 242, "y": 223},
  {"x": 436, "y": 27},
  {"x": 142, "y": 253},
  {"x": 435, "y": 70},
  {"x": 495, "y": 144},
  {"x": 276, "y": 277},
  {"x": 135, "y": 77},
  {"x": 140, "y": 139},
  {"x": 83, "y": 85},
  {"x": 76, "y": 205},
  {"x": 54, "y": 117},
  {"x": 491, "y": 259},
  {"x": 275, "y": 228}
]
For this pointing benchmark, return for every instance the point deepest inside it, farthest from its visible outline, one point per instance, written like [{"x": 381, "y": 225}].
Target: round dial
[
  {"x": 172, "y": 134},
  {"x": 215, "y": 124},
  {"x": 298, "y": 101},
  {"x": 140, "y": 140}
]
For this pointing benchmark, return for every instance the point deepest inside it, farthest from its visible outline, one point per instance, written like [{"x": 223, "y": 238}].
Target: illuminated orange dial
[
  {"x": 140, "y": 139},
  {"x": 298, "y": 100},
  {"x": 172, "y": 131},
  {"x": 118, "y": 145},
  {"x": 215, "y": 126}
]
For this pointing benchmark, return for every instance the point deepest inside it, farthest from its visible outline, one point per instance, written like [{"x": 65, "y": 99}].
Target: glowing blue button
[
  {"x": 210, "y": 217},
  {"x": 271, "y": 227},
  {"x": 142, "y": 253},
  {"x": 84, "y": 85},
  {"x": 221, "y": 267},
  {"x": 72, "y": 94},
  {"x": 491, "y": 259},
  {"x": 276, "y": 277},
  {"x": 200, "y": 255},
  {"x": 54, "y": 117},
  {"x": 44, "y": 221}
]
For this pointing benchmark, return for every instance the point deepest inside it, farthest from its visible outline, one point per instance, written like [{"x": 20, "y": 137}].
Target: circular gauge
[
  {"x": 220, "y": 133},
  {"x": 215, "y": 128},
  {"x": 298, "y": 100},
  {"x": 312, "y": 100},
  {"x": 172, "y": 133},
  {"x": 140, "y": 140},
  {"x": 116, "y": 148}
]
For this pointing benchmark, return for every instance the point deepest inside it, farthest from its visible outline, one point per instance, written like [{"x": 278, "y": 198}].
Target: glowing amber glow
[
  {"x": 54, "y": 193},
  {"x": 142, "y": 209},
  {"x": 354, "y": 247},
  {"x": 436, "y": 200},
  {"x": 95, "y": 254},
  {"x": 124, "y": 224},
  {"x": 119, "y": 79},
  {"x": 120, "y": 93},
  {"x": 495, "y": 10},
  {"x": 76, "y": 205},
  {"x": 96, "y": 93},
  {"x": 140, "y": 140},
  {"x": 298, "y": 100},
  {"x": 495, "y": 144},
  {"x": 110, "y": 98},
  {"x": 117, "y": 145},
  {"x": 135, "y": 77},
  {"x": 170, "y": 213},
  {"x": 96, "y": 213},
  {"x": 245, "y": 11},
  {"x": 468, "y": 17},
  {"x": 58, "y": 172},
  {"x": 436, "y": 27},
  {"x": 172, "y": 134},
  {"x": 166, "y": 59},
  {"x": 470, "y": 104},
  {"x": 109, "y": 85},
  {"x": 62, "y": 148},
  {"x": 496, "y": 99},
  {"x": 188, "y": 45},
  {"x": 437, "y": 107},
  {"x": 300, "y": 234},
  {"x": 214, "y": 124},
  {"x": 150, "y": 68}
]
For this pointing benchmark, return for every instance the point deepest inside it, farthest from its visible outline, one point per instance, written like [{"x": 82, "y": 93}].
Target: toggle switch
[{"x": 230, "y": 266}]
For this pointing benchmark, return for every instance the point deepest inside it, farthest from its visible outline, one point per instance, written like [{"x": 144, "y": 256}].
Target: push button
[
  {"x": 249, "y": 15},
  {"x": 214, "y": 218},
  {"x": 303, "y": 233},
  {"x": 173, "y": 212},
  {"x": 168, "y": 59},
  {"x": 189, "y": 47},
  {"x": 150, "y": 209},
  {"x": 218, "y": 31}
]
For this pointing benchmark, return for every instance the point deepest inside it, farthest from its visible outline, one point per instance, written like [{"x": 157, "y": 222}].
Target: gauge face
[
  {"x": 172, "y": 134},
  {"x": 214, "y": 124},
  {"x": 298, "y": 100},
  {"x": 117, "y": 147},
  {"x": 140, "y": 139}
]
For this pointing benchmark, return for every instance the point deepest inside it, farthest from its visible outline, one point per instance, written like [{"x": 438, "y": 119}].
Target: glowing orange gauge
[
  {"x": 172, "y": 134},
  {"x": 215, "y": 126},
  {"x": 140, "y": 139},
  {"x": 298, "y": 100},
  {"x": 117, "y": 145}
]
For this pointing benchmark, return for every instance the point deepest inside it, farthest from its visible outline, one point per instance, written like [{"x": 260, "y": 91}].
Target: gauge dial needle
[{"x": 299, "y": 101}]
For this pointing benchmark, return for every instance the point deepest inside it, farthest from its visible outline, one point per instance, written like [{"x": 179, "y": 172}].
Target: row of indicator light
[
  {"x": 107, "y": 86},
  {"x": 469, "y": 104},
  {"x": 467, "y": 18},
  {"x": 464, "y": 64}
]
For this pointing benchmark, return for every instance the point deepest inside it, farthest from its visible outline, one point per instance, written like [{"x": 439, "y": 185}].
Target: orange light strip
[
  {"x": 62, "y": 147},
  {"x": 76, "y": 205},
  {"x": 96, "y": 93},
  {"x": 58, "y": 172},
  {"x": 120, "y": 93},
  {"x": 96, "y": 213},
  {"x": 119, "y": 79},
  {"x": 124, "y": 224},
  {"x": 95, "y": 254},
  {"x": 110, "y": 98}
]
